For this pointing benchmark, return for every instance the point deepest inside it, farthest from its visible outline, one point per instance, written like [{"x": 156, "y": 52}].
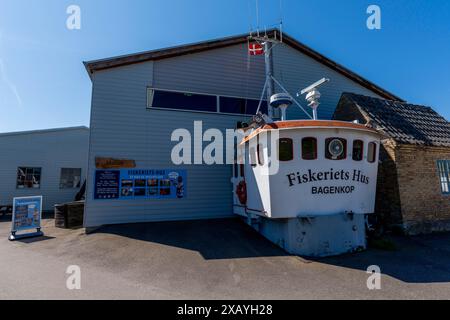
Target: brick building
[{"x": 413, "y": 190}]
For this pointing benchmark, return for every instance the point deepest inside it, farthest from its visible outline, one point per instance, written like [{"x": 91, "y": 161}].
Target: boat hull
[{"x": 320, "y": 236}]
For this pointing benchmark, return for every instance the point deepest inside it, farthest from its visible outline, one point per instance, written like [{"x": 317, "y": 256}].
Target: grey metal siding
[
  {"x": 297, "y": 71},
  {"x": 122, "y": 127},
  {"x": 226, "y": 71},
  {"x": 49, "y": 150}
]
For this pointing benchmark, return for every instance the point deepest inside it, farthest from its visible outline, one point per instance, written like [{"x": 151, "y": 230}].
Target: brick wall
[
  {"x": 408, "y": 186},
  {"x": 424, "y": 208},
  {"x": 387, "y": 203}
]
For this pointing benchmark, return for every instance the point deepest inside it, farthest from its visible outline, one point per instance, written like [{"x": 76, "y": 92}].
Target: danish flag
[{"x": 255, "y": 49}]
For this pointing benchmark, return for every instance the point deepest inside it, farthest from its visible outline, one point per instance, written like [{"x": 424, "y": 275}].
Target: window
[
  {"x": 242, "y": 168},
  {"x": 335, "y": 148},
  {"x": 260, "y": 150},
  {"x": 241, "y": 106},
  {"x": 235, "y": 170},
  {"x": 358, "y": 146},
  {"x": 70, "y": 178},
  {"x": 165, "y": 99},
  {"x": 309, "y": 148},
  {"x": 285, "y": 149},
  {"x": 252, "y": 157},
  {"x": 444, "y": 175},
  {"x": 28, "y": 178},
  {"x": 181, "y": 100},
  {"x": 372, "y": 152}
]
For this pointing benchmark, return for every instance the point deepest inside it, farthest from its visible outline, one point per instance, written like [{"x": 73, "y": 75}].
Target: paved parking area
[{"x": 214, "y": 259}]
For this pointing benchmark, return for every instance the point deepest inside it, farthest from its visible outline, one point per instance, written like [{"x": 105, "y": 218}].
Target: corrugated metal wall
[
  {"x": 226, "y": 71},
  {"x": 51, "y": 151},
  {"x": 122, "y": 127},
  {"x": 297, "y": 71}
]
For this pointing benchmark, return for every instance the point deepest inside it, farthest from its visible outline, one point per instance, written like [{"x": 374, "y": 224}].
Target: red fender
[{"x": 241, "y": 192}]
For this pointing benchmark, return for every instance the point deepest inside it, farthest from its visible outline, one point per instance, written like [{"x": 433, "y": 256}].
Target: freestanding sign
[{"x": 27, "y": 214}]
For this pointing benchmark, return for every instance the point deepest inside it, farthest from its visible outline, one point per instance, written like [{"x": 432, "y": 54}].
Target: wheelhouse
[{"x": 324, "y": 167}]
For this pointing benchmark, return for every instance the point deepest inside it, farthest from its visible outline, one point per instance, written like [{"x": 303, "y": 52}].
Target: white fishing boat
[{"x": 311, "y": 190}]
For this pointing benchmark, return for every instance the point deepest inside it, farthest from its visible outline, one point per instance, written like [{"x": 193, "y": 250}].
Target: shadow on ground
[
  {"x": 8, "y": 217},
  {"x": 213, "y": 239},
  {"x": 35, "y": 239},
  {"x": 419, "y": 259},
  {"x": 422, "y": 259}
]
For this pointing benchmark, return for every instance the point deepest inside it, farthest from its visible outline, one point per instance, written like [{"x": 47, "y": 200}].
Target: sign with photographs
[
  {"x": 26, "y": 215},
  {"x": 140, "y": 184}
]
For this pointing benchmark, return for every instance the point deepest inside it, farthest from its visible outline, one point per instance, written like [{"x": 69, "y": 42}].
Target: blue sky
[{"x": 43, "y": 83}]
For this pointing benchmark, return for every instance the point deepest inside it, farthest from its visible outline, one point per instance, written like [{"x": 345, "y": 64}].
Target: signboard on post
[{"x": 26, "y": 215}]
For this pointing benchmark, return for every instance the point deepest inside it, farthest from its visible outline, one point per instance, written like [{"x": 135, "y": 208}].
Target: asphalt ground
[{"x": 210, "y": 259}]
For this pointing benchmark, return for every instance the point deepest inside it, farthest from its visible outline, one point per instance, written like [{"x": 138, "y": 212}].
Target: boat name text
[{"x": 331, "y": 175}]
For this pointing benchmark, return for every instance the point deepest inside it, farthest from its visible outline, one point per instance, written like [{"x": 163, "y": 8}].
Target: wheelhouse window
[
  {"x": 253, "y": 157},
  {"x": 260, "y": 151},
  {"x": 241, "y": 105},
  {"x": 309, "y": 148},
  {"x": 444, "y": 175},
  {"x": 335, "y": 148},
  {"x": 371, "y": 152},
  {"x": 28, "y": 178},
  {"x": 358, "y": 149},
  {"x": 285, "y": 149},
  {"x": 70, "y": 178},
  {"x": 181, "y": 100}
]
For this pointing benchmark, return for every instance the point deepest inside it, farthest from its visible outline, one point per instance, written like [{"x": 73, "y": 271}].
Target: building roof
[
  {"x": 97, "y": 65},
  {"x": 43, "y": 131},
  {"x": 405, "y": 123}
]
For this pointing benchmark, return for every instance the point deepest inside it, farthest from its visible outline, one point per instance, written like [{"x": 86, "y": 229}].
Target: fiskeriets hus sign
[{"x": 310, "y": 177}]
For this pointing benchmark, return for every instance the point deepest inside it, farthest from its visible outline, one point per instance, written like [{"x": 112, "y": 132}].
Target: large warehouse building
[
  {"x": 138, "y": 100},
  {"x": 51, "y": 163}
]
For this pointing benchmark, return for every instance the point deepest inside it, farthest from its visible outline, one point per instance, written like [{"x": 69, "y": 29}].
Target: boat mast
[
  {"x": 275, "y": 101},
  {"x": 269, "y": 75}
]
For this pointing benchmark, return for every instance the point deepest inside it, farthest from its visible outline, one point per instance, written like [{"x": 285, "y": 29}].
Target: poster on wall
[
  {"x": 106, "y": 184},
  {"x": 140, "y": 184},
  {"x": 26, "y": 215}
]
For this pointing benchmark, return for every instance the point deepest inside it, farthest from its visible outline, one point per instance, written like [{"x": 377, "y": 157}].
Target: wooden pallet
[{"x": 69, "y": 215}]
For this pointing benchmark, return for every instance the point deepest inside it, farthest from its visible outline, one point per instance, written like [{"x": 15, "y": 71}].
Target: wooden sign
[{"x": 111, "y": 163}]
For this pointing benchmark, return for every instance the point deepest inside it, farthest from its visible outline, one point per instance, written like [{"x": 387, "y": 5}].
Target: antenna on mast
[
  {"x": 313, "y": 95},
  {"x": 281, "y": 31},
  {"x": 257, "y": 18},
  {"x": 263, "y": 44}
]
